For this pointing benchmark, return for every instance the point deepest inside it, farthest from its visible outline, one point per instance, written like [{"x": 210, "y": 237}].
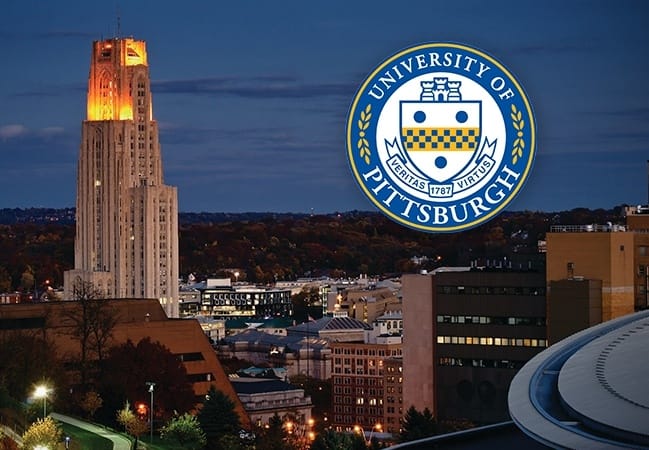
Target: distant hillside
[
  {"x": 265, "y": 247},
  {"x": 42, "y": 216}
]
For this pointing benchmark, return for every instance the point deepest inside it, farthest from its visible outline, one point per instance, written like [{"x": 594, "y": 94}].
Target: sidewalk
[{"x": 119, "y": 442}]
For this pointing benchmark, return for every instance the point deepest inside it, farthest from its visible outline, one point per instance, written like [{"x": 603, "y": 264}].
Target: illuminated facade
[{"x": 127, "y": 218}]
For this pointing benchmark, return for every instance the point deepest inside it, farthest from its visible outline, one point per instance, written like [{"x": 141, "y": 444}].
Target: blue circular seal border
[{"x": 362, "y": 150}]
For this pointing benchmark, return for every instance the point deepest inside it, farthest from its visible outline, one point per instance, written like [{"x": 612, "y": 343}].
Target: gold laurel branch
[
  {"x": 363, "y": 124},
  {"x": 519, "y": 124}
]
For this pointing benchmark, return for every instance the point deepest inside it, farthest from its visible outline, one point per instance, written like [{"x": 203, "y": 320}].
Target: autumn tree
[
  {"x": 44, "y": 433},
  {"x": 132, "y": 424},
  {"x": 184, "y": 431},
  {"x": 91, "y": 402},
  {"x": 27, "y": 279}
]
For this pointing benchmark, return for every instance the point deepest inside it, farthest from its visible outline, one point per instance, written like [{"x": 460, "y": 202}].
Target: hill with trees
[{"x": 265, "y": 247}]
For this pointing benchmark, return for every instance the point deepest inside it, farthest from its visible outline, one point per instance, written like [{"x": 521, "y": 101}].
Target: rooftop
[
  {"x": 588, "y": 390},
  {"x": 257, "y": 386},
  {"x": 591, "y": 228},
  {"x": 330, "y": 324}
]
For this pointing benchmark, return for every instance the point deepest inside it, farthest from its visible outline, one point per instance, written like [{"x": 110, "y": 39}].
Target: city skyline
[{"x": 252, "y": 102}]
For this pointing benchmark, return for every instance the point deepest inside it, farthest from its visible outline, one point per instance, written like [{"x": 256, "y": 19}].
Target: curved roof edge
[{"x": 539, "y": 409}]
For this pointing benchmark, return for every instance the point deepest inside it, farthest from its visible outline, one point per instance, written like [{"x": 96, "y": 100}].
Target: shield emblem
[{"x": 440, "y": 138}]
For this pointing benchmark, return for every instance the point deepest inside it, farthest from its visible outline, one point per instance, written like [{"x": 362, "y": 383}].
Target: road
[{"x": 119, "y": 442}]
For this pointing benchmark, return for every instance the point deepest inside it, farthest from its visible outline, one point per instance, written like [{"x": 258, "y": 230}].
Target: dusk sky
[{"x": 252, "y": 96}]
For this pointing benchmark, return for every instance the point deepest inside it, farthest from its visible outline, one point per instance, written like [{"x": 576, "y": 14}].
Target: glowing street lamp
[
  {"x": 41, "y": 392},
  {"x": 378, "y": 427},
  {"x": 358, "y": 429},
  {"x": 41, "y": 447}
]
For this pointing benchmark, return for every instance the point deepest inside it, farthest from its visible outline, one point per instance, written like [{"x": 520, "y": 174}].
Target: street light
[
  {"x": 151, "y": 387},
  {"x": 378, "y": 427},
  {"x": 359, "y": 429},
  {"x": 41, "y": 392},
  {"x": 41, "y": 447}
]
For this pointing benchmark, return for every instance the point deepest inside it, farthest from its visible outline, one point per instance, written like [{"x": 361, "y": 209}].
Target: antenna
[{"x": 119, "y": 20}]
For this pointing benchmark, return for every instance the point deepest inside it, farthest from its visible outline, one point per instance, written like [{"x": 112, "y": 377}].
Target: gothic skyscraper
[{"x": 127, "y": 218}]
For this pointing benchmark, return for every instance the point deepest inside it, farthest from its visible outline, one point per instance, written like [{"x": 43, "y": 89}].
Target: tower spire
[{"x": 119, "y": 22}]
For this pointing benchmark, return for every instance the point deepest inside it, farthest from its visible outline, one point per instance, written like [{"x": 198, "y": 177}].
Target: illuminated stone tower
[{"x": 127, "y": 218}]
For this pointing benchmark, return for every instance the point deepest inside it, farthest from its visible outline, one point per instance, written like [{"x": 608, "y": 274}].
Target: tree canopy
[
  {"x": 185, "y": 431},
  {"x": 133, "y": 365},
  {"x": 418, "y": 425},
  {"x": 218, "y": 418}
]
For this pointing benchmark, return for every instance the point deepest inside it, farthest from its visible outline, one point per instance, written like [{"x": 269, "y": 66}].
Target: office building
[
  {"x": 126, "y": 217},
  {"x": 358, "y": 383},
  {"x": 466, "y": 333},
  {"x": 616, "y": 255}
]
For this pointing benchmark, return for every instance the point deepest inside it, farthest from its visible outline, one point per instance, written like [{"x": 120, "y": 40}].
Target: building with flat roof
[
  {"x": 466, "y": 333},
  {"x": 220, "y": 299},
  {"x": 614, "y": 254},
  {"x": 358, "y": 383}
]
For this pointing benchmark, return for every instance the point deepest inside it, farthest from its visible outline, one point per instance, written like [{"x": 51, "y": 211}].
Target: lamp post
[
  {"x": 41, "y": 392},
  {"x": 151, "y": 387},
  {"x": 377, "y": 427},
  {"x": 359, "y": 429}
]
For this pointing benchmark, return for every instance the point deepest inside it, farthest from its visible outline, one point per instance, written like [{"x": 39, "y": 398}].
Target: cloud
[
  {"x": 255, "y": 87},
  {"x": 51, "y": 131},
  {"x": 12, "y": 131}
]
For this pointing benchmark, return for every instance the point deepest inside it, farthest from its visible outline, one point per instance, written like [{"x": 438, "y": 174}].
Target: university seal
[{"x": 440, "y": 137}]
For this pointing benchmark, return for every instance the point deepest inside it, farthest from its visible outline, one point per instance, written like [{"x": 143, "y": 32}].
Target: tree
[
  {"x": 27, "y": 279},
  {"x": 185, "y": 431},
  {"x": 418, "y": 425},
  {"x": 321, "y": 396},
  {"x": 218, "y": 418},
  {"x": 92, "y": 324},
  {"x": 91, "y": 402},
  {"x": 333, "y": 440},
  {"x": 274, "y": 436},
  {"x": 133, "y": 425},
  {"x": 5, "y": 280},
  {"x": 35, "y": 362},
  {"x": 132, "y": 366},
  {"x": 44, "y": 432}
]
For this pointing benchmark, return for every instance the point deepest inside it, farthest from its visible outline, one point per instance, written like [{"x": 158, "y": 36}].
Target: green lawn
[{"x": 85, "y": 440}]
